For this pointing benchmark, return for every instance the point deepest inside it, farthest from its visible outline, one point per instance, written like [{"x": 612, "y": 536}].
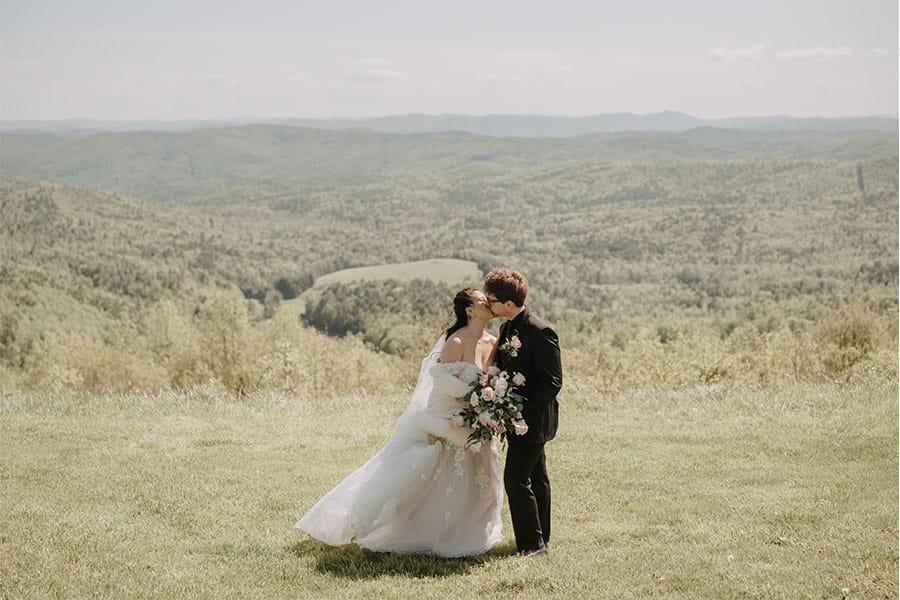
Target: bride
[{"x": 423, "y": 492}]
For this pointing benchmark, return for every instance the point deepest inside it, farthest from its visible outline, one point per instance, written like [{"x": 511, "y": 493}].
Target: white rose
[
  {"x": 521, "y": 427},
  {"x": 473, "y": 399},
  {"x": 518, "y": 379},
  {"x": 484, "y": 418},
  {"x": 501, "y": 386}
]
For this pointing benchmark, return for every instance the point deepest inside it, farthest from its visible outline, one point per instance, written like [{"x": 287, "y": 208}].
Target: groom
[{"x": 527, "y": 345}]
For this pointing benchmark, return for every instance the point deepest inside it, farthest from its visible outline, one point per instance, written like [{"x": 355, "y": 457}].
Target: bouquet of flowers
[{"x": 492, "y": 407}]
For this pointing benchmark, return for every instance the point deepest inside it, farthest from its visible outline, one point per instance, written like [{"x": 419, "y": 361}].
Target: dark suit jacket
[{"x": 538, "y": 360}]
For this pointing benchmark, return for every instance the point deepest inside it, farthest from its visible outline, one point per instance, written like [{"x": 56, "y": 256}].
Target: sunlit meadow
[{"x": 709, "y": 492}]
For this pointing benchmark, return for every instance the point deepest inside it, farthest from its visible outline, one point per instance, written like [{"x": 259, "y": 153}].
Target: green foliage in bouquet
[{"x": 493, "y": 408}]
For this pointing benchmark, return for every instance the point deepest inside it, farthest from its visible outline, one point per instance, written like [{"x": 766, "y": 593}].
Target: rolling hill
[
  {"x": 187, "y": 165},
  {"x": 717, "y": 228}
]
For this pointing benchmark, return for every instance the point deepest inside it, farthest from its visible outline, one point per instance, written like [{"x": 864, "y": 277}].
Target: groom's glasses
[{"x": 490, "y": 301}]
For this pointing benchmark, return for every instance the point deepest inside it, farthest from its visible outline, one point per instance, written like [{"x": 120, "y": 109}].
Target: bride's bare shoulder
[{"x": 453, "y": 350}]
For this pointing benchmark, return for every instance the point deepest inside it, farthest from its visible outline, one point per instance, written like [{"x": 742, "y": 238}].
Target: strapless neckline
[{"x": 463, "y": 362}]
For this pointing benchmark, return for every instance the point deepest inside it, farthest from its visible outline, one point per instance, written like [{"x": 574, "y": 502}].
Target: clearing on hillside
[{"x": 449, "y": 270}]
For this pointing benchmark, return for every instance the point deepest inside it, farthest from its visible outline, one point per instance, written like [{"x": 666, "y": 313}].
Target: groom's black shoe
[{"x": 535, "y": 552}]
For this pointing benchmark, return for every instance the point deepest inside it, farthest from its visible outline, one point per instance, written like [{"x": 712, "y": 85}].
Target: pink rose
[
  {"x": 487, "y": 393},
  {"x": 483, "y": 379},
  {"x": 515, "y": 342}
]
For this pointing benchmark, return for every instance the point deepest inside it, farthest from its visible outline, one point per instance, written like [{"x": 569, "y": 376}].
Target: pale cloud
[
  {"x": 227, "y": 80},
  {"x": 504, "y": 79},
  {"x": 12, "y": 68},
  {"x": 375, "y": 70},
  {"x": 298, "y": 78},
  {"x": 373, "y": 62},
  {"x": 748, "y": 53},
  {"x": 877, "y": 53},
  {"x": 820, "y": 53},
  {"x": 287, "y": 74},
  {"x": 276, "y": 76},
  {"x": 529, "y": 55},
  {"x": 375, "y": 75},
  {"x": 561, "y": 70}
]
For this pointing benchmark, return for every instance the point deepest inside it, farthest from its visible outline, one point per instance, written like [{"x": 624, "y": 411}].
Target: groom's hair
[{"x": 507, "y": 284}]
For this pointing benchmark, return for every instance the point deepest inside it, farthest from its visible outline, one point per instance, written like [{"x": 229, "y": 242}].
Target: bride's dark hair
[{"x": 463, "y": 300}]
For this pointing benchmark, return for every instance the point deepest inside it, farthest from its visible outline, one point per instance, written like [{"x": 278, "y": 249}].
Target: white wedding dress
[{"x": 416, "y": 497}]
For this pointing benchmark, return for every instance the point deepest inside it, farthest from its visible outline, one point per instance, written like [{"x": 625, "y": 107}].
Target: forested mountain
[
  {"x": 185, "y": 165},
  {"x": 718, "y": 229}
]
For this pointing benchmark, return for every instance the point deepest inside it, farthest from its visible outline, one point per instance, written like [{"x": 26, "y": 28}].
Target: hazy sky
[{"x": 129, "y": 59}]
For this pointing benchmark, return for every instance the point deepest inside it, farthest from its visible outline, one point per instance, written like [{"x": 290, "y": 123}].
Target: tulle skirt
[{"x": 415, "y": 497}]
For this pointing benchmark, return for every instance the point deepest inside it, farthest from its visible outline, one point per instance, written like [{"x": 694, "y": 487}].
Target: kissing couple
[{"x": 429, "y": 492}]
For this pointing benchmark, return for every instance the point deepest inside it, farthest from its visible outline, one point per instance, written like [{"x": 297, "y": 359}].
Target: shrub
[
  {"x": 846, "y": 336},
  {"x": 175, "y": 346},
  {"x": 69, "y": 361},
  {"x": 279, "y": 363},
  {"x": 225, "y": 341}
]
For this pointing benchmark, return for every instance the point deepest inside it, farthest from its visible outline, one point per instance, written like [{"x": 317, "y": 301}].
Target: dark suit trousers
[{"x": 528, "y": 492}]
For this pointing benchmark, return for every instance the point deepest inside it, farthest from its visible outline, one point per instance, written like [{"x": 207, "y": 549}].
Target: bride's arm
[
  {"x": 433, "y": 427},
  {"x": 443, "y": 429},
  {"x": 434, "y": 419}
]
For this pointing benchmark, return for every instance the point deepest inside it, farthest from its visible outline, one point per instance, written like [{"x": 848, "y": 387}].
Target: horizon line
[{"x": 446, "y": 114}]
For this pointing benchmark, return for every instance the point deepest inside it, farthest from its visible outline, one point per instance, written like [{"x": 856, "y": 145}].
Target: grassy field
[
  {"x": 704, "y": 493},
  {"x": 449, "y": 270},
  {"x": 446, "y": 270}
]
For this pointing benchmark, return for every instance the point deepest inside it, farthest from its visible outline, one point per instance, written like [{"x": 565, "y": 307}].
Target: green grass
[
  {"x": 448, "y": 270},
  {"x": 704, "y": 493},
  {"x": 443, "y": 270}
]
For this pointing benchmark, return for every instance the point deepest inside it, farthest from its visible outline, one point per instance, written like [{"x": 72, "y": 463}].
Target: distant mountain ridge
[
  {"x": 172, "y": 165},
  {"x": 498, "y": 125}
]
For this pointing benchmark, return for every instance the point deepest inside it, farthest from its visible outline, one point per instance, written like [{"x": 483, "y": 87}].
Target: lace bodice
[{"x": 463, "y": 370}]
